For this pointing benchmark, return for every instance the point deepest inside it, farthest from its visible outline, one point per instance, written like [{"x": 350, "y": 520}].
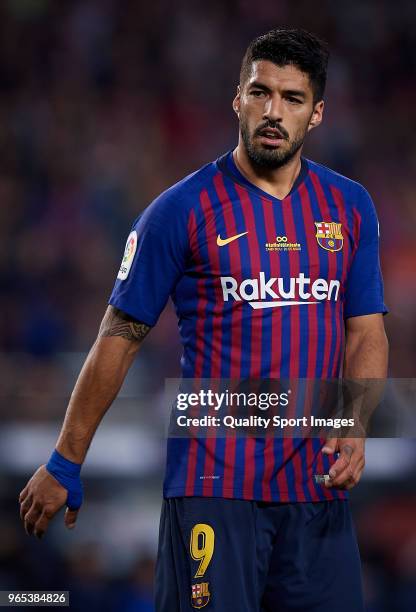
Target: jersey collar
[{"x": 226, "y": 164}]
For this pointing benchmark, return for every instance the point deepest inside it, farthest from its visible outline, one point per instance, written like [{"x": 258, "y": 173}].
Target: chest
[{"x": 244, "y": 237}]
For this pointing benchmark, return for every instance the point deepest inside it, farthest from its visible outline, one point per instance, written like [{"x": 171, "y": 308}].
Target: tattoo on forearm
[{"x": 118, "y": 323}]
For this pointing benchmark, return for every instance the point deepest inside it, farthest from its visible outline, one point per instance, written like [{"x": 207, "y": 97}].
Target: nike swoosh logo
[{"x": 223, "y": 241}]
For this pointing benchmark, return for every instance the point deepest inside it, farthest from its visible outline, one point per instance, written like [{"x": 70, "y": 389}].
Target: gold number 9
[{"x": 202, "y": 546}]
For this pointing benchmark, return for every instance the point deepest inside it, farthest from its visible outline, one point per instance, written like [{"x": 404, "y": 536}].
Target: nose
[{"x": 273, "y": 108}]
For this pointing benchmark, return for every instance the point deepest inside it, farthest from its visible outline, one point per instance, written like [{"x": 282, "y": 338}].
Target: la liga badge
[
  {"x": 329, "y": 235},
  {"x": 129, "y": 252}
]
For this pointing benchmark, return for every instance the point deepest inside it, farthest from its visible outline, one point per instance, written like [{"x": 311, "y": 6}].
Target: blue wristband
[{"x": 67, "y": 473}]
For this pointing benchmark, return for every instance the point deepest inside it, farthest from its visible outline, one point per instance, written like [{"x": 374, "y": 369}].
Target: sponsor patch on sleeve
[{"x": 128, "y": 256}]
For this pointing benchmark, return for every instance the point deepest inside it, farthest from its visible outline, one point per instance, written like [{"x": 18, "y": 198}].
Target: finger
[
  {"x": 346, "y": 484},
  {"x": 344, "y": 476},
  {"x": 29, "y": 527},
  {"x": 43, "y": 522},
  {"x": 356, "y": 475},
  {"x": 31, "y": 517},
  {"x": 25, "y": 506},
  {"x": 351, "y": 476},
  {"x": 342, "y": 463},
  {"x": 330, "y": 446},
  {"x": 70, "y": 518},
  {"x": 343, "y": 467},
  {"x": 23, "y": 493}
]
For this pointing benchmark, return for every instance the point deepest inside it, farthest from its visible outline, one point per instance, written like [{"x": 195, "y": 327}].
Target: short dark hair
[{"x": 297, "y": 47}]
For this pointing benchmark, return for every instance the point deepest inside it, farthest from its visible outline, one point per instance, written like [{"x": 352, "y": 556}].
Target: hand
[
  {"x": 40, "y": 500},
  {"x": 347, "y": 469}
]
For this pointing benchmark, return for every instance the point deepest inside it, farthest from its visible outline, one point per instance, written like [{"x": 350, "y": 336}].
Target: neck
[{"x": 276, "y": 181}]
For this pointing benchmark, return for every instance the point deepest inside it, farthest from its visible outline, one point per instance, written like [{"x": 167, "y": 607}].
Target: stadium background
[{"x": 103, "y": 104}]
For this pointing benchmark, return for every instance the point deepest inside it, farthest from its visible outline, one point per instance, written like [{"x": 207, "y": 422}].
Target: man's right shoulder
[{"x": 183, "y": 195}]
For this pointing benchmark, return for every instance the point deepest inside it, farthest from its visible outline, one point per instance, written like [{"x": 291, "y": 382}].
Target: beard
[{"x": 270, "y": 157}]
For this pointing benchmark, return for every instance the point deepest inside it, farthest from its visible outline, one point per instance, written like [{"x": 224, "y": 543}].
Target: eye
[
  {"x": 257, "y": 93},
  {"x": 293, "y": 100}
]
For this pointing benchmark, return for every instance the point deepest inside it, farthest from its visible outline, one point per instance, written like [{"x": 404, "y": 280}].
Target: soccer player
[{"x": 272, "y": 263}]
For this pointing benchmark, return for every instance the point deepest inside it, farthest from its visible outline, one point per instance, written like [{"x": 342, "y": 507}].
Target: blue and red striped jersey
[{"x": 261, "y": 288}]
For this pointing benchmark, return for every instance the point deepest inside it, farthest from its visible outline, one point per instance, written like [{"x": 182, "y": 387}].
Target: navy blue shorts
[{"x": 229, "y": 555}]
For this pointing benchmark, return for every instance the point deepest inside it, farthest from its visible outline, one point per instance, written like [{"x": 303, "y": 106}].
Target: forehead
[{"x": 278, "y": 77}]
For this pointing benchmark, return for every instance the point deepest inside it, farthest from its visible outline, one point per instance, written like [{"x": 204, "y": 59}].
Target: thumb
[
  {"x": 70, "y": 518},
  {"x": 330, "y": 446}
]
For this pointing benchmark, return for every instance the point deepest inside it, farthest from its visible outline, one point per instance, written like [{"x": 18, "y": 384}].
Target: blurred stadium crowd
[{"x": 104, "y": 104}]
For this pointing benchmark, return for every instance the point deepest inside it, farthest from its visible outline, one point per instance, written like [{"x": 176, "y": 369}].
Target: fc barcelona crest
[
  {"x": 200, "y": 595},
  {"x": 329, "y": 235}
]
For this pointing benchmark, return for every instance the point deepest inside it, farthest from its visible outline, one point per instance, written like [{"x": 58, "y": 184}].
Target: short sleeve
[
  {"x": 364, "y": 291},
  {"x": 154, "y": 260}
]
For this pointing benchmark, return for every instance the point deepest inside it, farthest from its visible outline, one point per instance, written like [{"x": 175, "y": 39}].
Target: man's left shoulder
[{"x": 352, "y": 192}]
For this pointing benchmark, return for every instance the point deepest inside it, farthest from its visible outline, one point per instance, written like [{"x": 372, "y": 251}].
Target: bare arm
[
  {"x": 366, "y": 356},
  {"x": 119, "y": 339},
  {"x": 101, "y": 377},
  {"x": 366, "y": 349}
]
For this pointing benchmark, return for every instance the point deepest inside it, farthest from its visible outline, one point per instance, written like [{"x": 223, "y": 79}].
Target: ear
[
  {"x": 317, "y": 115},
  {"x": 236, "y": 102}
]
